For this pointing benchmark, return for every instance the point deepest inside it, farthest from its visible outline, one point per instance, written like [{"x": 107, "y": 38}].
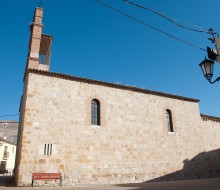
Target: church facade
[{"x": 95, "y": 132}]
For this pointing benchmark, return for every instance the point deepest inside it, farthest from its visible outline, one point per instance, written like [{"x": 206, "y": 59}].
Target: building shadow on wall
[
  {"x": 7, "y": 181},
  {"x": 202, "y": 166}
]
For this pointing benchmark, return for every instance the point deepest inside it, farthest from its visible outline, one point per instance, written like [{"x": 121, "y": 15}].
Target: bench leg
[{"x": 32, "y": 184}]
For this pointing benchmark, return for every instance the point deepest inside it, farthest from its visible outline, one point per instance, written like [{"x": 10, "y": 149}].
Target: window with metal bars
[
  {"x": 169, "y": 122},
  {"x": 48, "y": 149},
  {"x": 95, "y": 112}
]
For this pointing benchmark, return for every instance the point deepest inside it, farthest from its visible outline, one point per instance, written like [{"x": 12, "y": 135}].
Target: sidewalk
[{"x": 196, "y": 184}]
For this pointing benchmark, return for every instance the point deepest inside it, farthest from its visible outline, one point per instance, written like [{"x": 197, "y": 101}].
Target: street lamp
[
  {"x": 207, "y": 69},
  {"x": 207, "y": 65}
]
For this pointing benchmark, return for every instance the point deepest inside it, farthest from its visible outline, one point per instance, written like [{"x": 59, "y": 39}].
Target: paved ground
[{"x": 196, "y": 184}]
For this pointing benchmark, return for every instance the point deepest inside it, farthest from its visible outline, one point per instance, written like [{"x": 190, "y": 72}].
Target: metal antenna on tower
[{"x": 40, "y": 2}]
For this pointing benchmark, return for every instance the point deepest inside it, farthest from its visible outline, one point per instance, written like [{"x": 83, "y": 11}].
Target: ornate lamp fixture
[
  {"x": 207, "y": 65},
  {"x": 207, "y": 69}
]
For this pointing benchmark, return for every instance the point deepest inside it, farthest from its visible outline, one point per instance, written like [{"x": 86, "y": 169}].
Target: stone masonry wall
[{"x": 131, "y": 145}]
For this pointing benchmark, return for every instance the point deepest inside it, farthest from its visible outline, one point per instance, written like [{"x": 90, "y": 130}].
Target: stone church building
[{"x": 94, "y": 132}]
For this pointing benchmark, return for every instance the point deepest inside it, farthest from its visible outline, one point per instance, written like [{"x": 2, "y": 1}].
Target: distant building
[
  {"x": 7, "y": 156},
  {"x": 95, "y": 132},
  {"x": 8, "y": 144},
  {"x": 9, "y": 130}
]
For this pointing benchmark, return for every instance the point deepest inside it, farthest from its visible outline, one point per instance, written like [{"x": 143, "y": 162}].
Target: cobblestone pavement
[{"x": 196, "y": 184}]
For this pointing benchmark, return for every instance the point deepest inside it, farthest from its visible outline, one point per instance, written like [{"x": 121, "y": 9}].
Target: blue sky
[{"x": 95, "y": 42}]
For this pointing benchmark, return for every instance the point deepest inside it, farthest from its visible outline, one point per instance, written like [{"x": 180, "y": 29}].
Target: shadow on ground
[{"x": 195, "y": 184}]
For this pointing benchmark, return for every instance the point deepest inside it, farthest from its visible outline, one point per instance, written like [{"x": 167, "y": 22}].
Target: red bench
[{"x": 46, "y": 176}]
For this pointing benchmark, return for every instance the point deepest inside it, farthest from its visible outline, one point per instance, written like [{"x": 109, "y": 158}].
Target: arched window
[
  {"x": 95, "y": 112},
  {"x": 169, "y": 122}
]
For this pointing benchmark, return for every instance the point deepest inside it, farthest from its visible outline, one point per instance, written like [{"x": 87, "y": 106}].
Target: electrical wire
[
  {"x": 9, "y": 115},
  {"x": 148, "y": 25},
  {"x": 172, "y": 20}
]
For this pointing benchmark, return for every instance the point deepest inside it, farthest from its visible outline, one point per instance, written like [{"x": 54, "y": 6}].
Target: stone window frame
[
  {"x": 169, "y": 121},
  {"x": 95, "y": 112},
  {"x": 173, "y": 121},
  {"x": 102, "y": 111}
]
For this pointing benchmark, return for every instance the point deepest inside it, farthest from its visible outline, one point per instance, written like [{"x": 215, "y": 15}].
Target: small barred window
[{"x": 48, "y": 149}]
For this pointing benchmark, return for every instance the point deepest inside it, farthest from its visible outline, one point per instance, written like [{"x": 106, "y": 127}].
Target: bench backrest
[{"x": 43, "y": 176}]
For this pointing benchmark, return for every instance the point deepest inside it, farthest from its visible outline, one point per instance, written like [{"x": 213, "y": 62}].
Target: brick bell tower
[
  {"x": 38, "y": 58},
  {"x": 39, "y": 44}
]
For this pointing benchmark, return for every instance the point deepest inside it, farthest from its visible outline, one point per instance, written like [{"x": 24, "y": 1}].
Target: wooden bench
[{"x": 46, "y": 176}]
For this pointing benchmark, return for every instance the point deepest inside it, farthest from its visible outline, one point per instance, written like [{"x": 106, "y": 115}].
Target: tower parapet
[{"x": 39, "y": 44}]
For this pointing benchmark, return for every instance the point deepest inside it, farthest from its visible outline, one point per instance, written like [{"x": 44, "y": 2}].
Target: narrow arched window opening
[
  {"x": 169, "y": 122},
  {"x": 95, "y": 112}
]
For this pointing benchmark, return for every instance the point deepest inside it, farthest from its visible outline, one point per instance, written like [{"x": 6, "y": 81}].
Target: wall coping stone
[
  {"x": 210, "y": 118},
  {"x": 110, "y": 85}
]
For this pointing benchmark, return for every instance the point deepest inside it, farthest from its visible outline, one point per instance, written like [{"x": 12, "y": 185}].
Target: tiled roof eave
[
  {"x": 211, "y": 118},
  {"x": 111, "y": 85}
]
